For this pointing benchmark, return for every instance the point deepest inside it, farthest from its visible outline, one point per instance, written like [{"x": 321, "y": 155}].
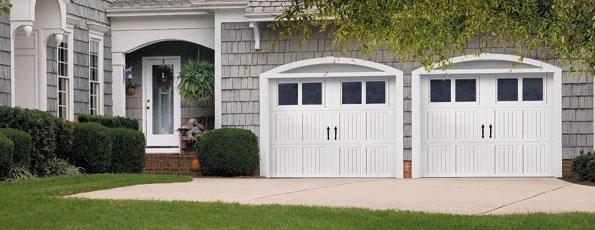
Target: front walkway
[{"x": 459, "y": 196}]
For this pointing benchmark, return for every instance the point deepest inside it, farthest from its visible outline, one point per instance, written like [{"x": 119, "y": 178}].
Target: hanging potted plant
[{"x": 197, "y": 81}]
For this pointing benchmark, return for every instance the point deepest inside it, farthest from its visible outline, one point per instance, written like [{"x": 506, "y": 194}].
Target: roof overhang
[{"x": 197, "y": 8}]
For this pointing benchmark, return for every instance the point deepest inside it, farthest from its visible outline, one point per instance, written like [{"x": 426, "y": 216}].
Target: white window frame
[
  {"x": 99, "y": 94},
  {"x": 97, "y": 36},
  {"x": 69, "y": 76}
]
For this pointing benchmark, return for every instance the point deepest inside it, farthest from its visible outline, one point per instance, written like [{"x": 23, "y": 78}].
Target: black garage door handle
[
  {"x": 328, "y": 131},
  {"x": 335, "y": 132}
]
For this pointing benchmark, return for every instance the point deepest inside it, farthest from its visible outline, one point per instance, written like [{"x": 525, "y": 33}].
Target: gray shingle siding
[
  {"x": 81, "y": 71},
  {"x": 5, "y": 60},
  {"x": 107, "y": 75},
  {"x": 241, "y": 66},
  {"x": 92, "y": 10}
]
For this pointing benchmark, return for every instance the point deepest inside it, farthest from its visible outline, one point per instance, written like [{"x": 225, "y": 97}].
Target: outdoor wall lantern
[{"x": 130, "y": 84}]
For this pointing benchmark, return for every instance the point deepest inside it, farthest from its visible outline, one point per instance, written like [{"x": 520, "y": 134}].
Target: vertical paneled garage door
[
  {"x": 340, "y": 127},
  {"x": 486, "y": 126}
]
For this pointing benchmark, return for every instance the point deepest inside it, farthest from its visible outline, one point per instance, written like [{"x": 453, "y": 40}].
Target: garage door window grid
[
  {"x": 356, "y": 92},
  {"x": 293, "y": 94},
  {"x": 530, "y": 89}
]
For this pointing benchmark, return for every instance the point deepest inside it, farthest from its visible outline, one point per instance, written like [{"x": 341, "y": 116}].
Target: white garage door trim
[
  {"x": 361, "y": 69},
  {"x": 529, "y": 66}
]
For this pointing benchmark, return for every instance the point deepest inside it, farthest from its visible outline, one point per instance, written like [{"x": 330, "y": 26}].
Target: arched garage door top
[{"x": 332, "y": 67}]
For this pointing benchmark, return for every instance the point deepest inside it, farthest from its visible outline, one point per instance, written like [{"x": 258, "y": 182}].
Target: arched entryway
[
  {"x": 331, "y": 117},
  {"x": 488, "y": 115},
  {"x": 155, "y": 99},
  {"x": 36, "y": 27}
]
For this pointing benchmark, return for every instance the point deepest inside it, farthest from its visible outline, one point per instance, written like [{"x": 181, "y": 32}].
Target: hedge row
[
  {"x": 6, "y": 149},
  {"x": 41, "y": 126},
  {"x": 110, "y": 122},
  {"x": 86, "y": 144},
  {"x": 99, "y": 149}
]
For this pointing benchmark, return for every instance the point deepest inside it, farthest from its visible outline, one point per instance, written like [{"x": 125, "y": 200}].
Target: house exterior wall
[
  {"x": 81, "y": 71},
  {"x": 187, "y": 51},
  {"x": 5, "y": 60},
  {"x": 241, "y": 66},
  {"x": 89, "y": 11}
]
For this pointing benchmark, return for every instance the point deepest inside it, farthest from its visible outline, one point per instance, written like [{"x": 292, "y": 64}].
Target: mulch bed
[{"x": 576, "y": 181}]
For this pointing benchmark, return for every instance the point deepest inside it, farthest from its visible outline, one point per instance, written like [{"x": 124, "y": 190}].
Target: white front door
[
  {"x": 486, "y": 125},
  {"x": 161, "y": 101},
  {"x": 344, "y": 127}
]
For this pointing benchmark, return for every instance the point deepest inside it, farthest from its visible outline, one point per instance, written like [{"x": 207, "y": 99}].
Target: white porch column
[{"x": 118, "y": 84}]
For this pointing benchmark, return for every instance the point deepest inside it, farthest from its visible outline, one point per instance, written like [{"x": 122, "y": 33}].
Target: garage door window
[
  {"x": 440, "y": 90},
  {"x": 508, "y": 89},
  {"x": 532, "y": 89},
  {"x": 375, "y": 92},
  {"x": 288, "y": 94},
  {"x": 312, "y": 93},
  {"x": 351, "y": 92},
  {"x": 465, "y": 90}
]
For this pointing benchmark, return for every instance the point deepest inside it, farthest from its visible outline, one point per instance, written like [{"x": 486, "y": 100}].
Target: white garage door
[
  {"x": 486, "y": 126},
  {"x": 341, "y": 127}
]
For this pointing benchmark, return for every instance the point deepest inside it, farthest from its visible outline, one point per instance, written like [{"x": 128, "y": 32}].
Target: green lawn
[{"x": 37, "y": 204}]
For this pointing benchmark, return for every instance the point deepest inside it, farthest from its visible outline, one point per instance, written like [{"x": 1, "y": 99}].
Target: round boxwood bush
[
  {"x": 21, "y": 154},
  {"x": 228, "y": 152},
  {"x": 128, "y": 150},
  {"x": 6, "y": 149},
  {"x": 92, "y": 148}
]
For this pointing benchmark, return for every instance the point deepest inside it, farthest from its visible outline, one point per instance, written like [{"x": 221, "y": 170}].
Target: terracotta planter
[
  {"x": 131, "y": 91},
  {"x": 195, "y": 165}
]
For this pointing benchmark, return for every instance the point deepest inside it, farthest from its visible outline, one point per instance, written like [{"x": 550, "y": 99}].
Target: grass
[{"x": 38, "y": 204}]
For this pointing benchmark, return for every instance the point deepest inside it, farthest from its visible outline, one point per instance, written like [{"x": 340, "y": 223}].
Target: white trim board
[
  {"x": 540, "y": 67},
  {"x": 278, "y": 73}
]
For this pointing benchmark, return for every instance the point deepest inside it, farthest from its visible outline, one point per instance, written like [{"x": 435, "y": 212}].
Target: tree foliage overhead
[
  {"x": 430, "y": 31},
  {"x": 5, "y": 6}
]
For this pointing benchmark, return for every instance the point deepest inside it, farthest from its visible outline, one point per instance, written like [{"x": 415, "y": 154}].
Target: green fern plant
[{"x": 197, "y": 81}]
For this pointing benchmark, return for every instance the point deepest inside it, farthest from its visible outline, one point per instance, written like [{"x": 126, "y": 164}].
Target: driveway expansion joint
[
  {"x": 306, "y": 189},
  {"x": 521, "y": 200}
]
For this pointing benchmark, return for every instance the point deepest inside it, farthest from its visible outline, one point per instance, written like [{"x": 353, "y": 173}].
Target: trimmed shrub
[
  {"x": 109, "y": 121},
  {"x": 40, "y": 125},
  {"x": 6, "y": 149},
  {"x": 228, "y": 152},
  {"x": 580, "y": 165},
  {"x": 128, "y": 150},
  {"x": 92, "y": 148},
  {"x": 64, "y": 139},
  {"x": 21, "y": 154},
  {"x": 59, "y": 167},
  {"x": 590, "y": 171}
]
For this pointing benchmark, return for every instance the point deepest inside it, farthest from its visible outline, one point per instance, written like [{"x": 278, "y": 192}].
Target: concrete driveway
[{"x": 458, "y": 196}]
